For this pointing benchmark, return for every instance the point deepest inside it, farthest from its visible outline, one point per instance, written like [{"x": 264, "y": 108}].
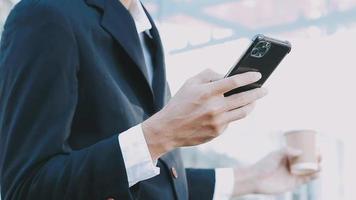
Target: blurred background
[{"x": 313, "y": 88}]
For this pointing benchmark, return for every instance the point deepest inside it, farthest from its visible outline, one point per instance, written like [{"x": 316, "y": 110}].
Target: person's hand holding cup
[{"x": 283, "y": 170}]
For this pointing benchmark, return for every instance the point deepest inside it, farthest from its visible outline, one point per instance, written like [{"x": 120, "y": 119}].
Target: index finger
[{"x": 239, "y": 80}]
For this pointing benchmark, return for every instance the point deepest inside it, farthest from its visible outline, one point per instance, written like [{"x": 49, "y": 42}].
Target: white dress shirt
[{"x": 138, "y": 161}]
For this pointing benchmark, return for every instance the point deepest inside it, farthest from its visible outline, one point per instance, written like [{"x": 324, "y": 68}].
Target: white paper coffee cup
[{"x": 306, "y": 142}]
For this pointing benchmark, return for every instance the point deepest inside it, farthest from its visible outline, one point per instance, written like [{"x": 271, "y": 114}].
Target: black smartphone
[{"x": 263, "y": 55}]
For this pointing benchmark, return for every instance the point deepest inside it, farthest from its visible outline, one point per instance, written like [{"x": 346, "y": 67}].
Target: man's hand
[
  {"x": 199, "y": 112},
  {"x": 270, "y": 176}
]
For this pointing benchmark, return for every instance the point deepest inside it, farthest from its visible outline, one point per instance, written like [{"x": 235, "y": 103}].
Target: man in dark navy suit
[{"x": 86, "y": 112}]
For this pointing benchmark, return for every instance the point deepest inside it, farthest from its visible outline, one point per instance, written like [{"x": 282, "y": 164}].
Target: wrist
[
  {"x": 245, "y": 180},
  {"x": 157, "y": 142}
]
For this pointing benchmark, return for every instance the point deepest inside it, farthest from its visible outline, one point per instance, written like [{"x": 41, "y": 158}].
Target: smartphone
[{"x": 263, "y": 55}]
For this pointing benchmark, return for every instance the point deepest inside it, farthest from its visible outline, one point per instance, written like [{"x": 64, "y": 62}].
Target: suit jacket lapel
[{"x": 118, "y": 22}]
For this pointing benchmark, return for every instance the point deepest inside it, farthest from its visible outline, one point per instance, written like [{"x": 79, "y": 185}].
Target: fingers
[
  {"x": 224, "y": 85},
  {"x": 239, "y": 113},
  {"x": 291, "y": 152},
  {"x": 244, "y": 98}
]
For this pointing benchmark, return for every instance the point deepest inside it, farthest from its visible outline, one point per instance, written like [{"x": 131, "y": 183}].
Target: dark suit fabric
[{"x": 72, "y": 78}]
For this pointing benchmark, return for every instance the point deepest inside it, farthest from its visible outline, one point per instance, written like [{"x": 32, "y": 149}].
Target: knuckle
[
  {"x": 215, "y": 126},
  {"x": 211, "y": 114},
  {"x": 215, "y": 123},
  {"x": 209, "y": 71},
  {"x": 208, "y": 112},
  {"x": 213, "y": 73}
]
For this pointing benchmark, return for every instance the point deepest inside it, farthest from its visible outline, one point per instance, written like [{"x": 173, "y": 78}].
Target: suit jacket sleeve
[
  {"x": 201, "y": 183},
  {"x": 38, "y": 95}
]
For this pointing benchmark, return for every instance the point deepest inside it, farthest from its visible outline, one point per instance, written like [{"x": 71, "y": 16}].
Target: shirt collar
[{"x": 138, "y": 14}]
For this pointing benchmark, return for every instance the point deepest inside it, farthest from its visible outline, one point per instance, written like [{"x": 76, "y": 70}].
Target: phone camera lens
[{"x": 260, "y": 49}]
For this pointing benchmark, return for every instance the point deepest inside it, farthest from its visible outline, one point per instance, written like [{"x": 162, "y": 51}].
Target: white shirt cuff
[
  {"x": 224, "y": 183},
  {"x": 137, "y": 158}
]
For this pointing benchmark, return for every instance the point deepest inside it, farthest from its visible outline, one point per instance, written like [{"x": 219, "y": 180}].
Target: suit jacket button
[{"x": 174, "y": 172}]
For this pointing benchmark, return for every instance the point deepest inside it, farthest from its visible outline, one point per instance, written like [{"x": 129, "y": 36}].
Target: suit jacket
[{"x": 73, "y": 77}]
